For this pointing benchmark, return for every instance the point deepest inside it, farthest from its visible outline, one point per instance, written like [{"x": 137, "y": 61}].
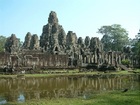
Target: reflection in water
[
  {"x": 2, "y": 101},
  {"x": 21, "y": 98},
  {"x": 18, "y": 89}
]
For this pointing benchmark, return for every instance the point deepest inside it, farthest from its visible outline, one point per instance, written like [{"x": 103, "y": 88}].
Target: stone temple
[{"x": 57, "y": 49}]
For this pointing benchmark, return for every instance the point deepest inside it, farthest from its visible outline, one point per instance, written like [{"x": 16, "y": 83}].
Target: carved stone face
[
  {"x": 12, "y": 44},
  {"x": 71, "y": 38},
  {"x": 52, "y": 18},
  {"x": 55, "y": 28},
  {"x": 26, "y": 43},
  {"x": 87, "y": 41},
  {"x": 34, "y": 42}
]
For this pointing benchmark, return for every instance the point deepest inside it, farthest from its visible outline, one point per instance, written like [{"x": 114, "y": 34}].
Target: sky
[{"x": 84, "y": 17}]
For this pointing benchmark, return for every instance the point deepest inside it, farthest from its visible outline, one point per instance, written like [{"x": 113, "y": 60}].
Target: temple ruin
[{"x": 56, "y": 49}]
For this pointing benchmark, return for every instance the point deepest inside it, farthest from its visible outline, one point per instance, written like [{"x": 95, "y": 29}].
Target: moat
[{"x": 27, "y": 88}]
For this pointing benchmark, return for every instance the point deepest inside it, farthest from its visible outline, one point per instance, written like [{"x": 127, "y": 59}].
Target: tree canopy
[
  {"x": 114, "y": 37},
  {"x": 136, "y": 47}
]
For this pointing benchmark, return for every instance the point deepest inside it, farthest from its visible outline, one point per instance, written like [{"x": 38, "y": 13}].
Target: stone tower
[
  {"x": 26, "y": 44},
  {"x": 53, "y": 37},
  {"x": 12, "y": 44}
]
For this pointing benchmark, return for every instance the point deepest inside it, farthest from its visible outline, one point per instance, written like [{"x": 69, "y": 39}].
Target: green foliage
[
  {"x": 136, "y": 47},
  {"x": 114, "y": 37},
  {"x": 134, "y": 42},
  {"x": 137, "y": 50},
  {"x": 138, "y": 36},
  {"x": 126, "y": 62},
  {"x": 2, "y": 42}
]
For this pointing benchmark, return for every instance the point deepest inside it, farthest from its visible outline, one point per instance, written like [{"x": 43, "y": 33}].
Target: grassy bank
[
  {"x": 104, "y": 98},
  {"x": 52, "y": 73}
]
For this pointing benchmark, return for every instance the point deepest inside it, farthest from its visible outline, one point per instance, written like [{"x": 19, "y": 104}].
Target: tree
[
  {"x": 2, "y": 42},
  {"x": 136, "y": 50},
  {"x": 136, "y": 47},
  {"x": 133, "y": 42},
  {"x": 137, "y": 37},
  {"x": 114, "y": 37}
]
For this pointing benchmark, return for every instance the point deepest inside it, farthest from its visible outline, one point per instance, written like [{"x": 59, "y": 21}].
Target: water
[{"x": 22, "y": 89}]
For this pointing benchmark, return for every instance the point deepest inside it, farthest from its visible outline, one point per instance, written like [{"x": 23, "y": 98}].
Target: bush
[{"x": 126, "y": 62}]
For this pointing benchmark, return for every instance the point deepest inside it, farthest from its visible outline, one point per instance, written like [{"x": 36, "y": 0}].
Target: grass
[
  {"x": 52, "y": 73},
  {"x": 104, "y": 98}
]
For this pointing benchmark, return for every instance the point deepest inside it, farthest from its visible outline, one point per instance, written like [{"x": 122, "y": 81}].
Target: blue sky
[{"x": 83, "y": 17}]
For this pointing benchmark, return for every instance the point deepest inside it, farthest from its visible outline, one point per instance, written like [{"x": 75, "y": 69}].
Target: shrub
[{"x": 126, "y": 62}]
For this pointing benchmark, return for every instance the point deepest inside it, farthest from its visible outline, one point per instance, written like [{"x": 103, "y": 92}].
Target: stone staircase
[{"x": 123, "y": 67}]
